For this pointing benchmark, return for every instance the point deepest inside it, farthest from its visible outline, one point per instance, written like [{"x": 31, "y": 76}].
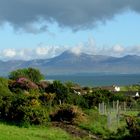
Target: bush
[
  {"x": 47, "y": 98},
  {"x": 97, "y": 96},
  {"x": 5, "y": 105},
  {"x": 60, "y": 90},
  {"x": 34, "y": 115},
  {"x": 68, "y": 113},
  {"x": 43, "y": 85},
  {"x": 118, "y": 96},
  {"x": 77, "y": 100},
  {"x": 4, "y": 90},
  {"x": 23, "y": 109},
  {"x": 22, "y": 84},
  {"x": 133, "y": 125},
  {"x": 30, "y": 73}
]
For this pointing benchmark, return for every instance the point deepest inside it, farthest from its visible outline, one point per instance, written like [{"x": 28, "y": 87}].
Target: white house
[
  {"x": 137, "y": 94},
  {"x": 116, "y": 88}
]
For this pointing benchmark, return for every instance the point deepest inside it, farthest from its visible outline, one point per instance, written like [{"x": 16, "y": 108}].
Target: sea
[{"x": 94, "y": 80}]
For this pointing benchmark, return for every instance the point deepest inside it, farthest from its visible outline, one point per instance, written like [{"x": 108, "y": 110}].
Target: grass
[
  {"x": 9, "y": 132},
  {"x": 95, "y": 123},
  {"x": 131, "y": 113},
  {"x": 130, "y": 88}
]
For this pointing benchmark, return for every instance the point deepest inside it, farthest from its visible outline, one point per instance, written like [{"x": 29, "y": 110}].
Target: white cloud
[
  {"x": 9, "y": 53},
  {"x": 77, "y": 49},
  {"x": 86, "y": 47},
  {"x": 43, "y": 51},
  {"x": 118, "y": 49}
]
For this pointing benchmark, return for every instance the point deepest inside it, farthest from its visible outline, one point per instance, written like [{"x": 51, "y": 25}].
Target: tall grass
[{"x": 95, "y": 123}]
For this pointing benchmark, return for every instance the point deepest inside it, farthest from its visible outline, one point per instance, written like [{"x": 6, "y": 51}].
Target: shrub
[
  {"x": 68, "y": 113},
  {"x": 34, "y": 115},
  {"x": 4, "y": 89},
  {"x": 47, "y": 98},
  {"x": 22, "y": 84},
  {"x": 23, "y": 109},
  {"x": 77, "y": 100},
  {"x": 118, "y": 96},
  {"x": 133, "y": 125},
  {"x": 60, "y": 90},
  {"x": 5, "y": 105},
  {"x": 30, "y": 73},
  {"x": 97, "y": 96},
  {"x": 43, "y": 85}
]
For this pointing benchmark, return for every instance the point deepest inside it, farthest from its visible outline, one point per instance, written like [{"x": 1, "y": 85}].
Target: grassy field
[
  {"x": 9, "y": 132},
  {"x": 130, "y": 88}
]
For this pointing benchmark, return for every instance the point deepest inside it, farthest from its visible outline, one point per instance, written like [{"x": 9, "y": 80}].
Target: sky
[{"x": 42, "y": 29}]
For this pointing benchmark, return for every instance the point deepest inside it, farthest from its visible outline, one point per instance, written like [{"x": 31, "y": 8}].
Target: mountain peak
[{"x": 71, "y": 52}]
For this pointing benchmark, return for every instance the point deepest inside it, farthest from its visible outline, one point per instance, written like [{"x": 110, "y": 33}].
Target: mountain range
[{"x": 71, "y": 63}]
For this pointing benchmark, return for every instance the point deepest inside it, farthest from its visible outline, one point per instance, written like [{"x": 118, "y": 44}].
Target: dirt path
[{"x": 75, "y": 131}]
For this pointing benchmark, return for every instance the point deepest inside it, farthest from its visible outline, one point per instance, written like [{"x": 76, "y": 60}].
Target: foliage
[
  {"x": 131, "y": 131},
  {"x": 77, "y": 100},
  {"x": 68, "y": 113},
  {"x": 21, "y": 108},
  {"x": 4, "y": 90},
  {"x": 47, "y": 98},
  {"x": 97, "y": 96},
  {"x": 30, "y": 73},
  {"x": 133, "y": 125},
  {"x": 60, "y": 90},
  {"x": 95, "y": 123},
  {"x": 39, "y": 98},
  {"x": 43, "y": 85},
  {"x": 22, "y": 84},
  {"x": 118, "y": 96}
]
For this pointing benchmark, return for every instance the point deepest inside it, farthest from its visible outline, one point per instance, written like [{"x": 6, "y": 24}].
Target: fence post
[
  {"x": 124, "y": 106},
  {"x": 103, "y": 107},
  {"x": 99, "y": 108},
  {"x": 113, "y": 106},
  {"x": 109, "y": 119},
  {"x": 118, "y": 116},
  {"x": 117, "y": 106}
]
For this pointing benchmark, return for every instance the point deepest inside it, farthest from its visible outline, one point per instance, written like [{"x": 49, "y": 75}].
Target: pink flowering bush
[{"x": 22, "y": 84}]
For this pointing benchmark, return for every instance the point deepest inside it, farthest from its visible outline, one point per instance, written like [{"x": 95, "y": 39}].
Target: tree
[{"x": 31, "y": 73}]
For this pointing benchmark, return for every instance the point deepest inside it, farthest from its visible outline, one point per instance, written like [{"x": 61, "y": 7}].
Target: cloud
[
  {"x": 42, "y": 51},
  {"x": 75, "y": 14},
  {"x": 45, "y": 51},
  {"x": 9, "y": 53},
  {"x": 77, "y": 49},
  {"x": 118, "y": 49}
]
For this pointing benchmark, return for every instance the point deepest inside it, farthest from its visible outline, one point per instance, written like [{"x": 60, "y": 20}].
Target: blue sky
[{"x": 117, "y": 34}]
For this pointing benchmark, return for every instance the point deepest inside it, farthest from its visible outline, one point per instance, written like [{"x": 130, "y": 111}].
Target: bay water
[{"x": 98, "y": 80}]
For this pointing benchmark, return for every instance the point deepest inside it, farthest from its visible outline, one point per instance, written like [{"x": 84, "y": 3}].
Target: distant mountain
[{"x": 70, "y": 63}]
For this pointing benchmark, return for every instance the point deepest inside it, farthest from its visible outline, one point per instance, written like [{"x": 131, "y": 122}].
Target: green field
[
  {"x": 9, "y": 132},
  {"x": 130, "y": 88}
]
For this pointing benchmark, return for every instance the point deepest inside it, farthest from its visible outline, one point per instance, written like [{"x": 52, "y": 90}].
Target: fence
[{"x": 115, "y": 110}]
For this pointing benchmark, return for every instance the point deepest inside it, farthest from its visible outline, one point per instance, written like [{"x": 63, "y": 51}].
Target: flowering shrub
[{"x": 22, "y": 84}]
